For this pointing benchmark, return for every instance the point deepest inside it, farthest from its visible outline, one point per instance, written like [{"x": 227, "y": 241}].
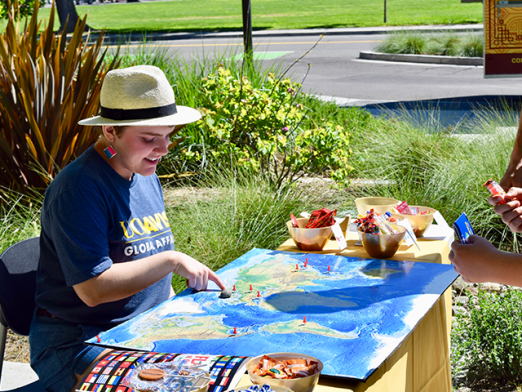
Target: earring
[{"x": 110, "y": 152}]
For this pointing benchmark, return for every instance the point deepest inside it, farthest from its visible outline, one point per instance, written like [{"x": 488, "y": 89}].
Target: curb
[
  {"x": 141, "y": 37},
  {"x": 420, "y": 58}
]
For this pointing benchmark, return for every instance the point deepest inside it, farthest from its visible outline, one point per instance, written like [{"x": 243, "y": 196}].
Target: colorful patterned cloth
[{"x": 108, "y": 373}]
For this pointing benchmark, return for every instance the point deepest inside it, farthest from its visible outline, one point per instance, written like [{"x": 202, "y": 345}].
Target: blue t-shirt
[{"x": 91, "y": 218}]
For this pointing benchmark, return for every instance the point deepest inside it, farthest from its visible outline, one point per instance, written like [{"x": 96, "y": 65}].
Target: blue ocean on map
[{"x": 350, "y": 313}]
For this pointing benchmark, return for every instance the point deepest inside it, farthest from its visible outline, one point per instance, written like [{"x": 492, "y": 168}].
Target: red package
[
  {"x": 321, "y": 218},
  {"x": 403, "y": 208}
]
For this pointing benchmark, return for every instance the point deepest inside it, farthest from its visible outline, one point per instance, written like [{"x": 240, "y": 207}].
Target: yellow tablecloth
[{"x": 421, "y": 363}]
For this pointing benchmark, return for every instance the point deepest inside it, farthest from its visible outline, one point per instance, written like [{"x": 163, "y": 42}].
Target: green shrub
[
  {"x": 264, "y": 129},
  {"x": 470, "y": 45},
  {"x": 442, "y": 44},
  {"x": 403, "y": 42},
  {"x": 22, "y": 8},
  {"x": 487, "y": 344},
  {"x": 51, "y": 83}
]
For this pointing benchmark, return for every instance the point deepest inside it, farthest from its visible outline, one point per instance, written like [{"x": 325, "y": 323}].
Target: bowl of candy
[
  {"x": 312, "y": 234},
  {"x": 378, "y": 204},
  {"x": 420, "y": 218},
  {"x": 298, "y": 372},
  {"x": 260, "y": 388},
  {"x": 383, "y": 246},
  {"x": 380, "y": 236}
]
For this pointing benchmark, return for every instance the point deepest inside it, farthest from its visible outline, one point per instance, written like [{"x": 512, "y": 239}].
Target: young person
[{"x": 107, "y": 250}]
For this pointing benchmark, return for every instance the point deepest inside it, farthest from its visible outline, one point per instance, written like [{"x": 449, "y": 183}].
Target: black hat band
[{"x": 138, "y": 114}]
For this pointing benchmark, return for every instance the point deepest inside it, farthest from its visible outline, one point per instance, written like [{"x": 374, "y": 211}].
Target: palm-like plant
[{"x": 47, "y": 84}]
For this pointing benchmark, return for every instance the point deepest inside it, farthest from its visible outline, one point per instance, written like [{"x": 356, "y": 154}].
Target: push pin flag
[
  {"x": 250, "y": 287},
  {"x": 304, "y": 319},
  {"x": 234, "y": 288},
  {"x": 297, "y": 266},
  {"x": 235, "y": 331},
  {"x": 306, "y": 262},
  {"x": 328, "y": 268},
  {"x": 98, "y": 338},
  {"x": 258, "y": 295}
]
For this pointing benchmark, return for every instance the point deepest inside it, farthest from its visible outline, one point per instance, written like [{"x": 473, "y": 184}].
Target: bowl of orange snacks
[{"x": 298, "y": 372}]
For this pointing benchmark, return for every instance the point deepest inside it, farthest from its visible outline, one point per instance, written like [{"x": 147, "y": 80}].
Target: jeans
[{"x": 58, "y": 352}]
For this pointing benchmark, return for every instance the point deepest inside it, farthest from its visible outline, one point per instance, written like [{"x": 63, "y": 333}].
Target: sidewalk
[{"x": 287, "y": 33}]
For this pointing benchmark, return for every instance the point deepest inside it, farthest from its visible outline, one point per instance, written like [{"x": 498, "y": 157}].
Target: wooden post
[{"x": 247, "y": 28}]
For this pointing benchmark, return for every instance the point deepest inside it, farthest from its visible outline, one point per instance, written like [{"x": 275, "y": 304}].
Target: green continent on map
[
  {"x": 273, "y": 276},
  {"x": 194, "y": 328},
  {"x": 295, "y": 326}
]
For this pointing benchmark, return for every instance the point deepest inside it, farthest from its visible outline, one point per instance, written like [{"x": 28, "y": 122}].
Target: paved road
[{"x": 337, "y": 71}]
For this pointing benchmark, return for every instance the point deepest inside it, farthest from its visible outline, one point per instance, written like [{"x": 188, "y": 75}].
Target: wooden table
[{"x": 422, "y": 362}]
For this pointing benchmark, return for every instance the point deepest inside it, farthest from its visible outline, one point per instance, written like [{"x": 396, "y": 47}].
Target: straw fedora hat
[{"x": 139, "y": 96}]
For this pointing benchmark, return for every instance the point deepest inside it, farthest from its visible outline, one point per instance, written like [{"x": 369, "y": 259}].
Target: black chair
[{"x": 18, "y": 265}]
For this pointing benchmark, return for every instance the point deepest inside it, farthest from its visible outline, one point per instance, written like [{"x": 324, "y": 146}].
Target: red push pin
[
  {"x": 306, "y": 262},
  {"x": 250, "y": 287},
  {"x": 258, "y": 295},
  {"x": 304, "y": 319},
  {"x": 328, "y": 268},
  {"x": 98, "y": 338},
  {"x": 234, "y": 288},
  {"x": 235, "y": 331},
  {"x": 297, "y": 266}
]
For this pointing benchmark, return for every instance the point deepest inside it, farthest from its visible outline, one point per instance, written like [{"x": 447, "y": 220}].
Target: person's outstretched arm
[
  {"x": 122, "y": 280},
  {"x": 478, "y": 261},
  {"x": 513, "y": 175}
]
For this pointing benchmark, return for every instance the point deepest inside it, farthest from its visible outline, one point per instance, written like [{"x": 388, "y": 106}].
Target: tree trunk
[{"x": 66, "y": 9}]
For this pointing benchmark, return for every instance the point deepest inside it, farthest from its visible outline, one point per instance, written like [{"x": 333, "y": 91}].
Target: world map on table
[{"x": 350, "y": 313}]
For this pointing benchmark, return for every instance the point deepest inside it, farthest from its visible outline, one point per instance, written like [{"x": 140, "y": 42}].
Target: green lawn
[{"x": 218, "y": 15}]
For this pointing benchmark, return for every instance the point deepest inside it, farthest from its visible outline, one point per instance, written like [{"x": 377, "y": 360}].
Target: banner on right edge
[{"x": 502, "y": 38}]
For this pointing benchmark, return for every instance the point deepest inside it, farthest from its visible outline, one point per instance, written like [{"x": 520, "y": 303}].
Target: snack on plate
[
  {"x": 151, "y": 374},
  {"x": 285, "y": 369},
  {"x": 166, "y": 377}
]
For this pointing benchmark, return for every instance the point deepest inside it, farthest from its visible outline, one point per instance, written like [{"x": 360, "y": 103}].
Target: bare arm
[
  {"x": 122, "y": 280},
  {"x": 479, "y": 262},
  {"x": 513, "y": 175}
]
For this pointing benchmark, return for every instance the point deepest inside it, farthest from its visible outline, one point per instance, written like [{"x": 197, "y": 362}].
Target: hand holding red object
[{"x": 496, "y": 190}]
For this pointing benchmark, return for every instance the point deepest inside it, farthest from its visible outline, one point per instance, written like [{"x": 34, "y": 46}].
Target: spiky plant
[{"x": 48, "y": 82}]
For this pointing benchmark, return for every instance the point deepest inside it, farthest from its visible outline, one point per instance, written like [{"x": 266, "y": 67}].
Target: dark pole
[
  {"x": 247, "y": 27},
  {"x": 384, "y": 11}
]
